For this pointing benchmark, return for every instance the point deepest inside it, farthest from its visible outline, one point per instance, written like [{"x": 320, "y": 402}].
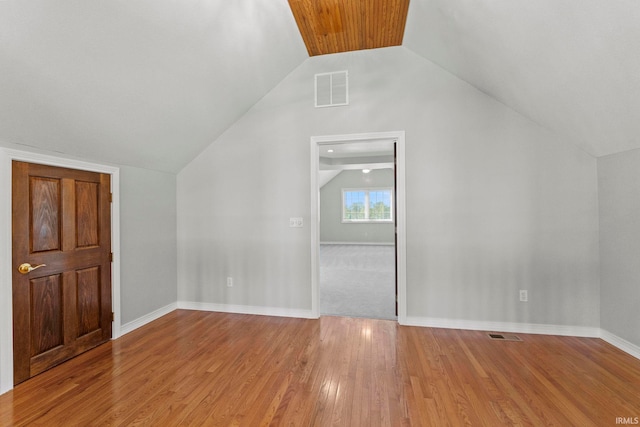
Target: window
[{"x": 367, "y": 205}]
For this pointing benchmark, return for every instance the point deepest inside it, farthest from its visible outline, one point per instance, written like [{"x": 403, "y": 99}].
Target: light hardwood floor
[{"x": 202, "y": 368}]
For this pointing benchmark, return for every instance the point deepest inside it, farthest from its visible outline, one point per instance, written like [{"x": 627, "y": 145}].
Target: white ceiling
[
  {"x": 381, "y": 147},
  {"x": 150, "y": 83},
  {"x": 572, "y": 66}
]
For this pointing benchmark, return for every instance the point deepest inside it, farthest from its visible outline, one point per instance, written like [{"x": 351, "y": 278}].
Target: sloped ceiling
[
  {"x": 150, "y": 83},
  {"x": 147, "y": 83},
  {"x": 573, "y": 66}
]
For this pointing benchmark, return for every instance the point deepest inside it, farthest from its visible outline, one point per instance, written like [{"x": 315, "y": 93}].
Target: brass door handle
[{"x": 26, "y": 267}]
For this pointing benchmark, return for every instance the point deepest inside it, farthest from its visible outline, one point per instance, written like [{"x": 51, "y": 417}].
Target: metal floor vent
[{"x": 504, "y": 337}]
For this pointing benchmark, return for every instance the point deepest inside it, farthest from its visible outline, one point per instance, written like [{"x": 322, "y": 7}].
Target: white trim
[
  {"x": 6, "y": 292},
  {"x": 400, "y": 212},
  {"x": 246, "y": 309},
  {"x": 147, "y": 318},
  {"x": 521, "y": 328},
  {"x": 356, "y": 166},
  {"x": 359, "y": 243},
  {"x": 620, "y": 343},
  {"x": 6, "y": 316},
  {"x": 367, "y": 221},
  {"x": 526, "y": 328}
]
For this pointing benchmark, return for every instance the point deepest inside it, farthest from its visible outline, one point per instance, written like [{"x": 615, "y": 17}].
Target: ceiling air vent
[{"x": 332, "y": 89}]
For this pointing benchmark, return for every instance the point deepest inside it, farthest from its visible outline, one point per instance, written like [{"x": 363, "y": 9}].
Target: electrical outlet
[
  {"x": 524, "y": 297},
  {"x": 229, "y": 282}
]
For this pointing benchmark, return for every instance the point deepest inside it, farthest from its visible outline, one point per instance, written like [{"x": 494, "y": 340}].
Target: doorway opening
[{"x": 358, "y": 225}]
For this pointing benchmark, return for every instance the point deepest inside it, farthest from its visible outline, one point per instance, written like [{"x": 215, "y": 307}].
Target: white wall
[
  {"x": 495, "y": 203},
  {"x": 148, "y": 242},
  {"x": 332, "y": 229},
  {"x": 619, "y": 193}
]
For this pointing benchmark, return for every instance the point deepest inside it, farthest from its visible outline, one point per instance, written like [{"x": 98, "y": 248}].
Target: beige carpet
[{"x": 357, "y": 281}]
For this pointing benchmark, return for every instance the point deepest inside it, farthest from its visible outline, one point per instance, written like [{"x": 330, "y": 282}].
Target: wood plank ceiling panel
[{"x": 332, "y": 26}]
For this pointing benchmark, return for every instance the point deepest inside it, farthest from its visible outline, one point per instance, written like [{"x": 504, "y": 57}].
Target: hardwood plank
[
  {"x": 201, "y": 368},
  {"x": 332, "y": 26}
]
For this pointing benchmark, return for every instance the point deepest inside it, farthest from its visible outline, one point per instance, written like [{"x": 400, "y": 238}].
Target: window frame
[{"x": 367, "y": 220}]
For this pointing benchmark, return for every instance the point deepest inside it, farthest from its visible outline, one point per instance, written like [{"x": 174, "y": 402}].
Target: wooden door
[{"x": 62, "y": 228}]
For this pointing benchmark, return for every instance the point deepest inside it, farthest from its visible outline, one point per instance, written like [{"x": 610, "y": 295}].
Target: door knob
[{"x": 26, "y": 267}]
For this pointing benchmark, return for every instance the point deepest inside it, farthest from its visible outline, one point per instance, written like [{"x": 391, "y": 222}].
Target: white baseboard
[
  {"x": 428, "y": 322},
  {"x": 527, "y": 328},
  {"x": 620, "y": 343},
  {"x": 147, "y": 318},
  {"x": 521, "y": 328},
  {"x": 246, "y": 309}
]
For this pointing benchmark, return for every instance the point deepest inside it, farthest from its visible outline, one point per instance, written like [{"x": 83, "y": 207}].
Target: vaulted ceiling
[
  {"x": 573, "y": 66},
  {"x": 150, "y": 83}
]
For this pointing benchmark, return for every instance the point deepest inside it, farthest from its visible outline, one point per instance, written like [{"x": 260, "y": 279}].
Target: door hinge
[
  {"x": 110, "y": 197},
  {"x": 110, "y": 256},
  {"x": 113, "y": 316}
]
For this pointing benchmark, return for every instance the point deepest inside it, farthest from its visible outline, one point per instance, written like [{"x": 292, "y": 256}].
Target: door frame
[
  {"x": 6, "y": 293},
  {"x": 400, "y": 213}
]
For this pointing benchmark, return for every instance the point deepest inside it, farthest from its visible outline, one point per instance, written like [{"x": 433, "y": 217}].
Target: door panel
[
  {"x": 46, "y": 315},
  {"x": 62, "y": 225},
  {"x": 88, "y": 281},
  {"x": 45, "y": 211},
  {"x": 87, "y": 208}
]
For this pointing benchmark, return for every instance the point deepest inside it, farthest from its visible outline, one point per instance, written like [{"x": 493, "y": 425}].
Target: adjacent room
[
  {"x": 180, "y": 247},
  {"x": 357, "y": 254}
]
